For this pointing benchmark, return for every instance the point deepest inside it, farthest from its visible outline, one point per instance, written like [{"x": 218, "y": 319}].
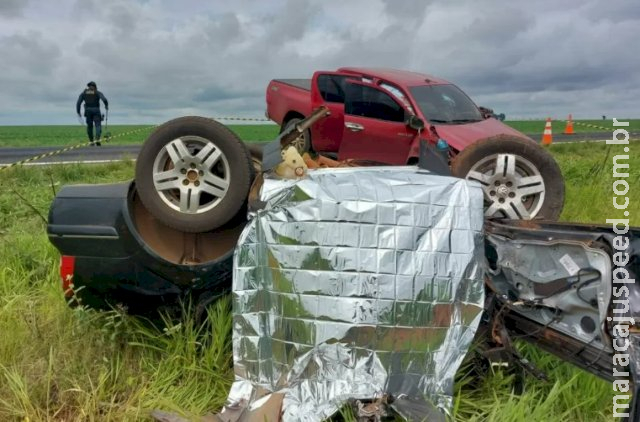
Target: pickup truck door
[
  {"x": 327, "y": 89},
  {"x": 374, "y": 126}
]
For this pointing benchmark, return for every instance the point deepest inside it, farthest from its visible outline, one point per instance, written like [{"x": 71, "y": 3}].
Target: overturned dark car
[{"x": 374, "y": 275}]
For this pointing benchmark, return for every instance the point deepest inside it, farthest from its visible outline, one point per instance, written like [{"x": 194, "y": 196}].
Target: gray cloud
[
  {"x": 28, "y": 55},
  {"x": 12, "y": 8},
  {"x": 157, "y": 59}
]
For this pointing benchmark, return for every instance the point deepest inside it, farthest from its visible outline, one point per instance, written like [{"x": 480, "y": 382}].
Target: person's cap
[{"x": 93, "y": 84}]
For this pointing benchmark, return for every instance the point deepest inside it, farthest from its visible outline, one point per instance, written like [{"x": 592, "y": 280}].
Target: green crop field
[
  {"x": 62, "y": 364},
  {"x": 31, "y": 136}
]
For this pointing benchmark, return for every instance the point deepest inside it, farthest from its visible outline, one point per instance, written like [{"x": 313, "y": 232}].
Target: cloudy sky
[{"x": 159, "y": 59}]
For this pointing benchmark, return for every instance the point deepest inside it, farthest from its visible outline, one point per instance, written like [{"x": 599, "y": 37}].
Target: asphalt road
[
  {"x": 103, "y": 153},
  {"x": 92, "y": 154},
  {"x": 107, "y": 153}
]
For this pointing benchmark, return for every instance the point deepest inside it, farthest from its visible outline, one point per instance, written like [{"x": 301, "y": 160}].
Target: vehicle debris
[{"x": 354, "y": 283}]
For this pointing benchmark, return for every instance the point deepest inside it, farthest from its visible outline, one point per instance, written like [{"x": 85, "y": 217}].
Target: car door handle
[{"x": 353, "y": 127}]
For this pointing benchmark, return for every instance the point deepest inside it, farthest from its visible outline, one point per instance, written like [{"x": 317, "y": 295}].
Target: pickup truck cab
[
  {"x": 383, "y": 115},
  {"x": 370, "y": 109}
]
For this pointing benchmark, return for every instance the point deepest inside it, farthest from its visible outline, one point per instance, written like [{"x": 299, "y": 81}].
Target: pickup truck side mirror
[
  {"x": 414, "y": 122},
  {"x": 486, "y": 112}
]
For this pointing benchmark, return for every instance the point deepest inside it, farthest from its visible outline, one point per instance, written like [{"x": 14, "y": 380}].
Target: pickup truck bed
[{"x": 298, "y": 83}]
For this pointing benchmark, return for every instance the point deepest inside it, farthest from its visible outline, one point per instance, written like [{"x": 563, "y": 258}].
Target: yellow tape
[
  {"x": 244, "y": 119},
  {"x": 105, "y": 140},
  {"x": 590, "y": 125}
]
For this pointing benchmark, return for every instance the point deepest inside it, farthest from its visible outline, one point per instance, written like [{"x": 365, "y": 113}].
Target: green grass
[
  {"x": 588, "y": 196},
  {"x": 32, "y": 136},
  {"x": 79, "y": 365}
]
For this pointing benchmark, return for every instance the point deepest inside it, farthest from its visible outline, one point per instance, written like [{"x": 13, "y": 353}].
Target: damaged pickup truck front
[{"x": 352, "y": 282}]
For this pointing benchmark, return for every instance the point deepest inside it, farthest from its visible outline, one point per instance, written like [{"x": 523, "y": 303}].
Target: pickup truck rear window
[
  {"x": 445, "y": 104},
  {"x": 371, "y": 102}
]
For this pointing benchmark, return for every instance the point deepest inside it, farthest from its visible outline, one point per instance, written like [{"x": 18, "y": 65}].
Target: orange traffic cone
[
  {"x": 546, "y": 136},
  {"x": 568, "y": 130}
]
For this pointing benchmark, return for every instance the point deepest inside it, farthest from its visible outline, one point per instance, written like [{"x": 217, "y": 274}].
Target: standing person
[{"x": 91, "y": 97}]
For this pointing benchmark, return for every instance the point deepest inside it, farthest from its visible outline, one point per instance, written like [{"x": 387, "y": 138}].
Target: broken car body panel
[{"x": 564, "y": 300}]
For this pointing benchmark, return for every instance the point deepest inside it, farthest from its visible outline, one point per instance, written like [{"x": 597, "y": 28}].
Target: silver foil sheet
[{"x": 354, "y": 283}]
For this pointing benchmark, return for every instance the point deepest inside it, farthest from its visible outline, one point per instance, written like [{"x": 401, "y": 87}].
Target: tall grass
[
  {"x": 63, "y": 364},
  {"x": 75, "y": 365},
  {"x": 588, "y": 174}
]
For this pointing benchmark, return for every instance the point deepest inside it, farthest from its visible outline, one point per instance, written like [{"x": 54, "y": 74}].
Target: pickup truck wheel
[
  {"x": 302, "y": 142},
  {"x": 519, "y": 178},
  {"x": 193, "y": 174}
]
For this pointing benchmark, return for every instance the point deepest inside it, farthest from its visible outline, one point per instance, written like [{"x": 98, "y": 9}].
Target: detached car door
[{"x": 374, "y": 125}]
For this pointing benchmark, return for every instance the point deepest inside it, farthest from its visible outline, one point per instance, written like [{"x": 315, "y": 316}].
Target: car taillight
[{"x": 67, "y": 264}]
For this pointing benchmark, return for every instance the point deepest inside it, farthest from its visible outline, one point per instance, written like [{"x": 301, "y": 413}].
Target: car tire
[
  {"x": 193, "y": 174},
  {"x": 519, "y": 178},
  {"x": 302, "y": 142}
]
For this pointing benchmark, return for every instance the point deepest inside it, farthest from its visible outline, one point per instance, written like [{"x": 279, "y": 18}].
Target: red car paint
[{"x": 353, "y": 134}]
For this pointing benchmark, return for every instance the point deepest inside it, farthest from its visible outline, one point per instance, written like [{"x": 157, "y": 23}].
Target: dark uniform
[{"x": 91, "y": 97}]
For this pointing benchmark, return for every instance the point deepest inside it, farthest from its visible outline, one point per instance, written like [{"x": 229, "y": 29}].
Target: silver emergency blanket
[{"x": 356, "y": 283}]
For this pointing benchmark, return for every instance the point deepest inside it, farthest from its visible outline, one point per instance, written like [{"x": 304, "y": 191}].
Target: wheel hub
[
  {"x": 502, "y": 191},
  {"x": 298, "y": 143},
  {"x": 192, "y": 175}
]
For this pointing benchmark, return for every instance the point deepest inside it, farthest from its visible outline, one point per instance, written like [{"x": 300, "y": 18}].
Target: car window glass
[
  {"x": 396, "y": 92},
  {"x": 371, "y": 102},
  {"x": 331, "y": 88},
  {"x": 445, "y": 104}
]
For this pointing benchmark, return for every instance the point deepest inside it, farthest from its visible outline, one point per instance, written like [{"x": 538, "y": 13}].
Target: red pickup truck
[{"x": 383, "y": 115}]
